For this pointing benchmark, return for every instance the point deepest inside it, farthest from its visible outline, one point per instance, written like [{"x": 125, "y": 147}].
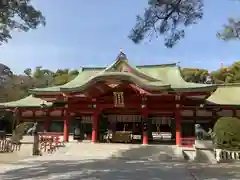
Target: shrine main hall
[{"x": 144, "y": 104}]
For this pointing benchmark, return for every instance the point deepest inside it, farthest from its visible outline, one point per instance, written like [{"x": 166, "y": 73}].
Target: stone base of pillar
[
  {"x": 94, "y": 136},
  {"x": 145, "y": 140},
  {"x": 65, "y": 140},
  {"x": 178, "y": 125},
  {"x": 66, "y": 128},
  {"x": 178, "y": 138},
  {"x": 95, "y": 127},
  {"x": 66, "y": 135}
]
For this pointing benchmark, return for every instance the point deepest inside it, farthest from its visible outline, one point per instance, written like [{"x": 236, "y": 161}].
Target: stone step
[{"x": 123, "y": 151}]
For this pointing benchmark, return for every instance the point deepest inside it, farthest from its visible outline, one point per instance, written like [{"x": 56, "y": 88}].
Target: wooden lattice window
[{"x": 118, "y": 99}]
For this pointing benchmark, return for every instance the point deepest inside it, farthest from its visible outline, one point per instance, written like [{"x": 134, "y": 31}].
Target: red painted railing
[
  {"x": 188, "y": 141},
  {"x": 49, "y": 141}
]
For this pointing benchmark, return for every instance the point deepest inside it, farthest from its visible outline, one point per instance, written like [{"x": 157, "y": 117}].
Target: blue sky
[{"x": 90, "y": 33}]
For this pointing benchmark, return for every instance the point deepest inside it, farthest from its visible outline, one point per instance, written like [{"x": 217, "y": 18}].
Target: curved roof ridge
[
  {"x": 157, "y": 65},
  {"x": 229, "y": 85},
  {"x": 161, "y": 71},
  {"x": 121, "y": 57},
  {"x": 80, "y": 70},
  {"x": 152, "y": 75},
  {"x": 135, "y": 66},
  {"x": 111, "y": 65},
  {"x": 28, "y": 101},
  {"x": 82, "y": 75},
  {"x": 90, "y": 68},
  {"x": 180, "y": 73},
  {"x": 79, "y": 76},
  {"x": 121, "y": 75},
  {"x": 57, "y": 87}
]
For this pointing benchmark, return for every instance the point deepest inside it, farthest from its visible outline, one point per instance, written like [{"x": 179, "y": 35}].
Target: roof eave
[
  {"x": 211, "y": 103},
  {"x": 118, "y": 76},
  {"x": 145, "y": 87},
  {"x": 27, "y": 106},
  {"x": 38, "y": 92},
  {"x": 197, "y": 89}
]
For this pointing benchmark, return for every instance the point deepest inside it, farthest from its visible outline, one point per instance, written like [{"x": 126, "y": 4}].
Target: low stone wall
[
  {"x": 204, "y": 144},
  {"x": 222, "y": 155},
  {"x": 204, "y": 151}
]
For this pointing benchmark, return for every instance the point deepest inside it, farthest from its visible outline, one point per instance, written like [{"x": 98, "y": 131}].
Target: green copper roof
[
  {"x": 84, "y": 73},
  {"x": 171, "y": 74},
  {"x": 154, "y": 77},
  {"x": 123, "y": 76},
  {"x": 28, "y": 101},
  {"x": 226, "y": 95}
]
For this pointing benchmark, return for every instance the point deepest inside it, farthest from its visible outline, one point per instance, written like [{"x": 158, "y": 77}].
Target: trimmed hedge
[{"x": 227, "y": 133}]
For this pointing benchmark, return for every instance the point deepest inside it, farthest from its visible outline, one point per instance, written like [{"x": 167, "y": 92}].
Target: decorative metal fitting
[
  {"x": 177, "y": 97},
  {"x": 201, "y": 105},
  {"x": 143, "y": 105}
]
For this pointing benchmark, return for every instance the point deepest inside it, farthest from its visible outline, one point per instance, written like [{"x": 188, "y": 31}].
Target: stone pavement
[
  {"x": 114, "y": 161},
  {"x": 224, "y": 171},
  {"x": 25, "y": 152}
]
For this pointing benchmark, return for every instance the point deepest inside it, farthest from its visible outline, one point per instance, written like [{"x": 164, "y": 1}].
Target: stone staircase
[
  {"x": 202, "y": 152},
  {"x": 150, "y": 152},
  {"x": 120, "y": 151}
]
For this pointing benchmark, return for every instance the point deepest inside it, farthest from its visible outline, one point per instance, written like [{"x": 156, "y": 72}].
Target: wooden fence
[{"x": 9, "y": 146}]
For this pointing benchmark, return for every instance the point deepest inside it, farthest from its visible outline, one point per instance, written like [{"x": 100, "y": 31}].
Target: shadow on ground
[
  {"x": 124, "y": 167},
  {"x": 154, "y": 152}
]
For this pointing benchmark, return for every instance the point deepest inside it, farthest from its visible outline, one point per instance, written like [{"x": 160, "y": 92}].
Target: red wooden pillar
[
  {"x": 66, "y": 127},
  {"x": 145, "y": 126},
  {"x": 178, "y": 125},
  {"x": 17, "y": 113},
  {"x": 95, "y": 127},
  {"x": 234, "y": 113},
  {"x": 47, "y": 122}
]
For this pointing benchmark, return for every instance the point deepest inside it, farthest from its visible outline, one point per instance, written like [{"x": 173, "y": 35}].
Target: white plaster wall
[
  {"x": 187, "y": 112},
  {"x": 238, "y": 113},
  {"x": 203, "y": 113},
  {"x": 39, "y": 113},
  {"x": 56, "y": 113},
  {"x": 225, "y": 113},
  {"x": 27, "y": 113}
]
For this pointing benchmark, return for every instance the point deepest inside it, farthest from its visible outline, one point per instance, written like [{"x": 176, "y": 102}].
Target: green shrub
[{"x": 227, "y": 133}]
